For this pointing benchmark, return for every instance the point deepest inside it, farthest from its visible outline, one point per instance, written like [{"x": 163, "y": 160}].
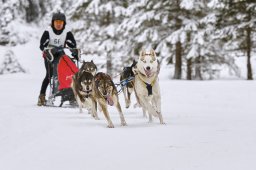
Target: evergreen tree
[
  {"x": 236, "y": 24},
  {"x": 95, "y": 26}
]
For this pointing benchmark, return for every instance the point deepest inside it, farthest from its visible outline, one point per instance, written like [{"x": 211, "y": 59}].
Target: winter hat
[{"x": 58, "y": 16}]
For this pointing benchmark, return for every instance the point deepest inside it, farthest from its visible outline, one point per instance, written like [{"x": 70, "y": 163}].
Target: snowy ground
[{"x": 210, "y": 125}]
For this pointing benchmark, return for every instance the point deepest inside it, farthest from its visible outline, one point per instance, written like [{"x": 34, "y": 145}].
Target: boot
[{"x": 41, "y": 100}]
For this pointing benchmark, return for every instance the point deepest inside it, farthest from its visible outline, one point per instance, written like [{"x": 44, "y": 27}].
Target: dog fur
[
  {"x": 146, "y": 85},
  {"x": 89, "y": 67},
  {"x": 105, "y": 93},
  {"x": 129, "y": 87},
  {"x": 82, "y": 86}
]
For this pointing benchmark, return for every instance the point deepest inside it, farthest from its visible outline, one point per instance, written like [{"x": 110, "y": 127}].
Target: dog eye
[{"x": 144, "y": 61}]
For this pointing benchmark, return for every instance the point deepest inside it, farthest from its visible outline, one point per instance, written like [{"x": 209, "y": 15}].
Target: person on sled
[{"x": 55, "y": 36}]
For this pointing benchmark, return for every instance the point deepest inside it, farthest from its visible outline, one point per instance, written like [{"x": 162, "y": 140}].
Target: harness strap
[{"x": 148, "y": 85}]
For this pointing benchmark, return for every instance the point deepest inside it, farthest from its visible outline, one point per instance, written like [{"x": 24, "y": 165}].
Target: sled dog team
[{"x": 95, "y": 91}]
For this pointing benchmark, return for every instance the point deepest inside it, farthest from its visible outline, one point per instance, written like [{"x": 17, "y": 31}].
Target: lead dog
[
  {"x": 105, "y": 93},
  {"x": 82, "y": 86},
  {"x": 146, "y": 84}
]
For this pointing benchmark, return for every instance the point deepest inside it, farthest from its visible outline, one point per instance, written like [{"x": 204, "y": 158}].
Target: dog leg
[
  {"x": 139, "y": 105},
  {"x": 157, "y": 102},
  {"x": 117, "y": 105},
  {"x": 94, "y": 109},
  {"x": 125, "y": 97},
  {"x": 147, "y": 106},
  {"x": 80, "y": 104},
  {"x": 144, "y": 113},
  {"x": 129, "y": 92},
  {"x": 103, "y": 106}
]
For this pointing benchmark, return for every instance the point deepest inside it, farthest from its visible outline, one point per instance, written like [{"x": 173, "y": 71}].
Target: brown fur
[{"x": 104, "y": 93}]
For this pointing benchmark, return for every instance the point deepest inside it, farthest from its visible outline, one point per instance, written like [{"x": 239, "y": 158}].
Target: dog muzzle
[
  {"x": 87, "y": 92},
  {"x": 148, "y": 72}
]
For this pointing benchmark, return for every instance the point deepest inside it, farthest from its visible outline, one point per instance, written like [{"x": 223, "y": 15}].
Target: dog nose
[
  {"x": 148, "y": 68},
  {"x": 87, "y": 88}
]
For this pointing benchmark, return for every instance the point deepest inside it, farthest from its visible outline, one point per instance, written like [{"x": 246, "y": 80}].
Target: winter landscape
[{"x": 209, "y": 123}]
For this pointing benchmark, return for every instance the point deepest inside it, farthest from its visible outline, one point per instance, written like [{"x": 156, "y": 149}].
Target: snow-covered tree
[
  {"x": 11, "y": 64},
  {"x": 95, "y": 26},
  {"x": 236, "y": 27},
  {"x": 202, "y": 50}
]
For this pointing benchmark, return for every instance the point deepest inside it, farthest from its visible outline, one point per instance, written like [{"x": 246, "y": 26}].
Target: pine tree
[
  {"x": 95, "y": 25},
  {"x": 236, "y": 24}
]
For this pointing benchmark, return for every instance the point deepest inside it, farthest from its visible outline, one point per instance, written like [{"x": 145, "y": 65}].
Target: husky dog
[
  {"x": 82, "y": 86},
  {"x": 89, "y": 67},
  {"x": 146, "y": 85},
  {"x": 128, "y": 87},
  {"x": 105, "y": 93}
]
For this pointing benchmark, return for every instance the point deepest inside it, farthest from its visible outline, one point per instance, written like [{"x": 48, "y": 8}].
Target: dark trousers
[
  {"x": 51, "y": 70},
  {"x": 46, "y": 81}
]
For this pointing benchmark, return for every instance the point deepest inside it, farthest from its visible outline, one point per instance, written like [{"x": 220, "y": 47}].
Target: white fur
[{"x": 149, "y": 103}]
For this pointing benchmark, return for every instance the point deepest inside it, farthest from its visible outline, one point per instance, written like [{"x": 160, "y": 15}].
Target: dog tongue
[
  {"x": 110, "y": 101},
  {"x": 148, "y": 72}
]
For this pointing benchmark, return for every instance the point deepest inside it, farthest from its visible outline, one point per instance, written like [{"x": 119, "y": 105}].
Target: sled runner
[{"x": 63, "y": 68}]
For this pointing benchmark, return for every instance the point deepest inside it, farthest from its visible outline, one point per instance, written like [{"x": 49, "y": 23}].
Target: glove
[
  {"x": 56, "y": 51},
  {"x": 74, "y": 53}
]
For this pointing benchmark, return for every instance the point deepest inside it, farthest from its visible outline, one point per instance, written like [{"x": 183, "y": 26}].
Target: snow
[{"x": 209, "y": 125}]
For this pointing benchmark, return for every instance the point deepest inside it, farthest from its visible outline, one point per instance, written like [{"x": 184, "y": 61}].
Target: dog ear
[
  {"x": 91, "y": 61},
  {"x": 134, "y": 69},
  {"x": 134, "y": 63},
  {"x": 143, "y": 52},
  {"x": 153, "y": 53}
]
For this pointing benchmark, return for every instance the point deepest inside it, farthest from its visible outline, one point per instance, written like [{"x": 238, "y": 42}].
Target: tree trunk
[
  {"x": 178, "y": 61},
  {"x": 109, "y": 63},
  {"x": 31, "y": 11},
  {"x": 198, "y": 74},
  {"x": 189, "y": 69},
  {"x": 248, "y": 52}
]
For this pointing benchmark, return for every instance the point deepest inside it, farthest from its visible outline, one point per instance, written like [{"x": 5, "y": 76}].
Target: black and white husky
[
  {"x": 127, "y": 81},
  {"x": 146, "y": 84},
  {"x": 82, "y": 86}
]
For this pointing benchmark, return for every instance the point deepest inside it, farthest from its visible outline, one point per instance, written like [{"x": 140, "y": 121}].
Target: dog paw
[
  {"x": 150, "y": 121},
  {"x": 123, "y": 124},
  {"x": 136, "y": 105},
  {"x": 111, "y": 126},
  {"x": 96, "y": 117}
]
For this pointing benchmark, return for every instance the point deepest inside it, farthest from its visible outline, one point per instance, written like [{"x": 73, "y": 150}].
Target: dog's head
[
  {"x": 104, "y": 84},
  {"x": 86, "y": 80},
  {"x": 128, "y": 71},
  {"x": 89, "y": 67},
  {"x": 147, "y": 63}
]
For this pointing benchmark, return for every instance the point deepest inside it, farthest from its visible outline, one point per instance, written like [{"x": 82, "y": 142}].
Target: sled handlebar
[{"x": 50, "y": 56}]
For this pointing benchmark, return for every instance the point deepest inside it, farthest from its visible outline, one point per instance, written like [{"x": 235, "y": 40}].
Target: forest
[{"x": 197, "y": 38}]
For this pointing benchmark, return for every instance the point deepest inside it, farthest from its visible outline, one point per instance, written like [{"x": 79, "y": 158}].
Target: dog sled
[{"x": 62, "y": 67}]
